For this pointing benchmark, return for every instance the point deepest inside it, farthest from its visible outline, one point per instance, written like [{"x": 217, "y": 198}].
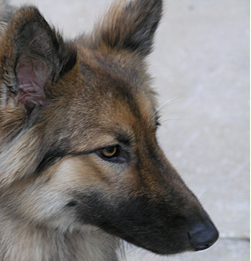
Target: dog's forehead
[
  {"x": 118, "y": 85},
  {"x": 105, "y": 100}
]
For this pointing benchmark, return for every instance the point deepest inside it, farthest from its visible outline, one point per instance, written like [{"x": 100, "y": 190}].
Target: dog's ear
[
  {"x": 130, "y": 26},
  {"x": 32, "y": 57}
]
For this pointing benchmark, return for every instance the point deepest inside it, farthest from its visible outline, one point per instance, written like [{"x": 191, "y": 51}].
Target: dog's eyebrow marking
[{"x": 123, "y": 138}]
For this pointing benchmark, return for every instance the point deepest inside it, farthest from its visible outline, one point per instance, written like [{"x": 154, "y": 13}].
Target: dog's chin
[
  {"x": 161, "y": 244},
  {"x": 162, "y": 248}
]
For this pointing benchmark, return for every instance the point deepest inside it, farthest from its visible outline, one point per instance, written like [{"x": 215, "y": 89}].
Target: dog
[{"x": 80, "y": 167}]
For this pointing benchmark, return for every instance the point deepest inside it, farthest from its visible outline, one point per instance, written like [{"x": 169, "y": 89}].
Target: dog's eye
[
  {"x": 113, "y": 154},
  {"x": 109, "y": 152}
]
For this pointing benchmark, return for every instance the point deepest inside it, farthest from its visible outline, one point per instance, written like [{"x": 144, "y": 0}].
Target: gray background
[{"x": 201, "y": 68}]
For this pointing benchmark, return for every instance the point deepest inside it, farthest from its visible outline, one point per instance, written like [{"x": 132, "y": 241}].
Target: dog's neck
[{"x": 25, "y": 242}]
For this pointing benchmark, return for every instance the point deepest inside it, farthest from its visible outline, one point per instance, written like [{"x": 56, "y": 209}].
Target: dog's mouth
[
  {"x": 199, "y": 238},
  {"x": 147, "y": 226}
]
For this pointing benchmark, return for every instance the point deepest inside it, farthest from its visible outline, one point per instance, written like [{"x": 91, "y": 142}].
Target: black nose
[{"x": 202, "y": 235}]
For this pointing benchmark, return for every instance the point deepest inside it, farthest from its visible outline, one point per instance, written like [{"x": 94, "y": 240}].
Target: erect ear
[
  {"x": 130, "y": 26},
  {"x": 32, "y": 57}
]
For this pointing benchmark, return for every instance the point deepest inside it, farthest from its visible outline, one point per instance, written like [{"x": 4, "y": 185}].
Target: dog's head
[{"x": 78, "y": 125}]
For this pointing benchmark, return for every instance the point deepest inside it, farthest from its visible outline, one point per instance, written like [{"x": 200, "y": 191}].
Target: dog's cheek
[
  {"x": 69, "y": 181},
  {"x": 45, "y": 199},
  {"x": 75, "y": 179},
  {"x": 77, "y": 174}
]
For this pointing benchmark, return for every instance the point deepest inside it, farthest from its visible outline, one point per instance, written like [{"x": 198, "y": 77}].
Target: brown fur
[{"x": 62, "y": 105}]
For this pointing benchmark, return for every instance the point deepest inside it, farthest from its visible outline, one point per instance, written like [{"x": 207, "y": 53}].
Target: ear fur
[
  {"x": 130, "y": 26},
  {"x": 32, "y": 57}
]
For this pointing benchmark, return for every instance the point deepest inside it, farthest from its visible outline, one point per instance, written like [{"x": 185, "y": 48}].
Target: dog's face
[{"x": 78, "y": 132}]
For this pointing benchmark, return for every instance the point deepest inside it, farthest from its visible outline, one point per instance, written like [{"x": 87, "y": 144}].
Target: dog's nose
[{"x": 203, "y": 235}]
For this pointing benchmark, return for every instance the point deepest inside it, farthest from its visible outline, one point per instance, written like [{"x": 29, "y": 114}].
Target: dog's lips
[
  {"x": 147, "y": 237},
  {"x": 148, "y": 223},
  {"x": 161, "y": 248}
]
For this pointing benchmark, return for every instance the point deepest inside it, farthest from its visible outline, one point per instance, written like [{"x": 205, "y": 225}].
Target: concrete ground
[{"x": 201, "y": 69}]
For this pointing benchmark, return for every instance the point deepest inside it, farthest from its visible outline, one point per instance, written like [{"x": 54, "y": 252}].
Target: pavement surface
[{"x": 201, "y": 68}]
